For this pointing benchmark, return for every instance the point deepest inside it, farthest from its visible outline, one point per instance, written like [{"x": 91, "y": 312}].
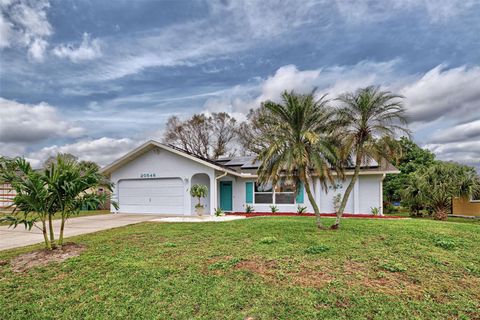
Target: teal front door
[{"x": 226, "y": 195}]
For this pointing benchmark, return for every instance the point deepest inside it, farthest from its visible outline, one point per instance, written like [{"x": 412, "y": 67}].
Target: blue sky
[{"x": 96, "y": 78}]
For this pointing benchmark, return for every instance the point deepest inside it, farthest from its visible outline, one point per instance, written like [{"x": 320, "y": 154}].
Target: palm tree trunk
[
  {"x": 52, "y": 234},
  {"x": 311, "y": 198},
  {"x": 62, "y": 227},
  {"x": 440, "y": 213},
  {"x": 348, "y": 191},
  {"x": 48, "y": 245}
]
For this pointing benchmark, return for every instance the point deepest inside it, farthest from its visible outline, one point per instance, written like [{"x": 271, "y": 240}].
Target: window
[
  {"x": 263, "y": 193},
  {"x": 475, "y": 197},
  {"x": 283, "y": 193}
]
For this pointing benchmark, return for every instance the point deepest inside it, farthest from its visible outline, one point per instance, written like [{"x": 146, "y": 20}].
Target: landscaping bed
[{"x": 290, "y": 214}]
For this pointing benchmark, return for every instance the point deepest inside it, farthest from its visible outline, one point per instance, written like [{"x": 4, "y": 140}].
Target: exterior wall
[
  {"x": 164, "y": 164},
  {"x": 370, "y": 190},
  {"x": 367, "y": 193},
  {"x": 465, "y": 207}
]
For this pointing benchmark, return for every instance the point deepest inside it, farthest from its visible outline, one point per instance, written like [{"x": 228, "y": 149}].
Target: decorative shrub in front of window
[{"x": 284, "y": 193}]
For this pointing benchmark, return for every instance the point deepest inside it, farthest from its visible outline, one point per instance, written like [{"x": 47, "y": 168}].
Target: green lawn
[{"x": 264, "y": 268}]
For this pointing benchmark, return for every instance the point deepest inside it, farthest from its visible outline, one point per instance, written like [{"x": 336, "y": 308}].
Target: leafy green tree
[
  {"x": 411, "y": 159},
  {"x": 63, "y": 187},
  {"x": 436, "y": 185},
  {"x": 297, "y": 143},
  {"x": 369, "y": 121}
]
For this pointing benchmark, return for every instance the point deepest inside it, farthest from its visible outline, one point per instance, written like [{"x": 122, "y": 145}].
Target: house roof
[
  {"x": 233, "y": 165},
  {"x": 152, "y": 144}
]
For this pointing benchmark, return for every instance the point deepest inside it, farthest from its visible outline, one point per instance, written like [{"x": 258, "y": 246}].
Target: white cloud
[
  {"x": 25, "y": 24},
  {"x": 26, "y": 123},
  {"x": 466, "y": 152},
  {"x": 5, "y": 32},
  {"x": 457, "y": 133},
  {"x": 37, "y": 49},
  {"x": 442, "y": 92},
  {"x": 102, "y": 151},
  {"x": 87, "y": 50},
  {"x": 437, "y": 11}
]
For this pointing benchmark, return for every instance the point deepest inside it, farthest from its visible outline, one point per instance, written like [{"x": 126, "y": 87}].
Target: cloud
[
  {"x": 457, "y": 133},
  {"x": 442, "y": 92},
  {"x": 24, "y": 24},
  {"x": 26, "y": 123},
  {"x": 437, "y": 11},
  {"x": 87, "y": 50},
  {"x": 466, "y": 152},
  {"x": 102, "y": 150}
]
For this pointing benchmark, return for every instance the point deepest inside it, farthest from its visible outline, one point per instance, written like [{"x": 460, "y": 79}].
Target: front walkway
[{"x": 19, "y": 237}]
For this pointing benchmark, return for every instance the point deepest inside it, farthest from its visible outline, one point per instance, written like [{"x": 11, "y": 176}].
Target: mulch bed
[
  {"x": 290, "y": 214},
  {"x": 43, "y": 257}
]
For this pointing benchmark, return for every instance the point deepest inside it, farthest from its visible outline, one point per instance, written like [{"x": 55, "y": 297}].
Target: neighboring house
[
  {"x": 6, "y": 197},
  {"x": 156, "y": 179},
  {"x": 466, "y": 207}
]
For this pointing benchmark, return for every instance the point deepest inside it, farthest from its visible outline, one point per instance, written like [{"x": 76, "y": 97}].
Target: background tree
[
  {"x": 368, "y": 122},
  {"x": 411, "y": 159},
  {"x": 250, "y": 130},
  {"x": 438, "y": 184},
  {"x": 297, "y": 143},
  {"x": 207, "y": 136},
  {"x": 53, "y": 159}
]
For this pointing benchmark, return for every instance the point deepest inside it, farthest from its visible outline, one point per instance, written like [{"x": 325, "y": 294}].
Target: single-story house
[
  {"x": 156, "y": 179},
  {"x": 6, "y": 197},
  {"x": 466, "y": 207}
]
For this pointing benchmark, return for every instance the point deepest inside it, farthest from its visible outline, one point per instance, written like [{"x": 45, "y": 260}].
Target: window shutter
[
  {"x": 249, "y": 192},
  {"x": 299, "y": 198}
]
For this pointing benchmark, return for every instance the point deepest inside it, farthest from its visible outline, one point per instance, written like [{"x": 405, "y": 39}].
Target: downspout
[{"x": 381, "y": 194}]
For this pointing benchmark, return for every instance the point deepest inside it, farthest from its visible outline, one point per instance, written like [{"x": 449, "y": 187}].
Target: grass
[
  {"x": 375, "y": 269},
  {"x": 81, "y": 214}
]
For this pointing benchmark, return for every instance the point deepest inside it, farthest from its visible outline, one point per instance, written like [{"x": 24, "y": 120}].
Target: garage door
[{"x": 158, "y": 196}]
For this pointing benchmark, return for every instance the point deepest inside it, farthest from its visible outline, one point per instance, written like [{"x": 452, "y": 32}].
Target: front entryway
[{"x": 226, "y": 203}]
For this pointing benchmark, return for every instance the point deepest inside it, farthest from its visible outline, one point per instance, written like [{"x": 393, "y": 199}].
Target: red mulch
[{"x": 292, "y": 214}]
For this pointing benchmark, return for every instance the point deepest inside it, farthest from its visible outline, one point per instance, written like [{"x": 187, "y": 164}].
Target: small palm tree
[
  {"x": 441, "y": 182},
  {"x": 368, "y": 122},
  {"x": 64, "y": 187},
  {"x": 297, "y": 143}
]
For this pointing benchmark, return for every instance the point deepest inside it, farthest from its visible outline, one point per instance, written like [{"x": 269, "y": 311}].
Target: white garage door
[{"x": 158, "y": 196}]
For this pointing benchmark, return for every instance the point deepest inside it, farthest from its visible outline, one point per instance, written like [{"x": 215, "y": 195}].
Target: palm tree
[
  {"x": 32, "y": 199},
  {"x": 64, "y": 187},
  {"x": 441, "y": 182},
  {"x": 298, "y": 144},
  {"x": 368, "y": 122}
]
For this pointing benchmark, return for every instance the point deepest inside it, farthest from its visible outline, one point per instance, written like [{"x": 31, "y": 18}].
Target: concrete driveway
[{"x": 19, "y": 237}]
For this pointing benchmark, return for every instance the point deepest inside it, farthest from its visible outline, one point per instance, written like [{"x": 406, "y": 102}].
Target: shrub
[
  {"x": 169, "y": 244},
  {"x": 444, "y": 243},
  {"x": 317, "y": 249},
  {"x": 199, "y": 191},
  {"x": 268, "y": 240},
  {"x": 393, "y": 267},
  {"x": 274, "y": 208},
  {"x": 375, "y": 211},
  {"x": 249, "y": 208},
  {"x": 301, "y": 209},
  {"x": 219, "y": 212}
]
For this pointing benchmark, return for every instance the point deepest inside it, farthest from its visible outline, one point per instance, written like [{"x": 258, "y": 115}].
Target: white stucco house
[{"x": 156, "y": 178}]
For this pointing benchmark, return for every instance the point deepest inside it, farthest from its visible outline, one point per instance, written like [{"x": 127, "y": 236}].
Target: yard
[{"x": 259, "y": 268}]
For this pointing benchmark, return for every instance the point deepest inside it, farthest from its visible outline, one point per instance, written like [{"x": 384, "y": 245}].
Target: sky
[{"x": 98, "y": 78}]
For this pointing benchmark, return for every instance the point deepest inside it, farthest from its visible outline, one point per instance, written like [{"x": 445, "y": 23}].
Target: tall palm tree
[
  {"x": 298, "y": 144},
  {"x": 368, "y": 123}
]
